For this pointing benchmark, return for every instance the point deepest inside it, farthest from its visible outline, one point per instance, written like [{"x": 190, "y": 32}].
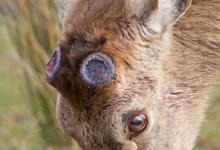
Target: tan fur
[{"x": 164, "y": 71}]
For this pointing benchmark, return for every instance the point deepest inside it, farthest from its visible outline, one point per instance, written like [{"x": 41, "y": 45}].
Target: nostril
[
  {"x": 53, "y": 64},
  {"x": 97, "y": 69}
]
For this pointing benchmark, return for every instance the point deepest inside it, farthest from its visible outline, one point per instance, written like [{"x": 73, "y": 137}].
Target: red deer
[{"x": 135, "y": 74}]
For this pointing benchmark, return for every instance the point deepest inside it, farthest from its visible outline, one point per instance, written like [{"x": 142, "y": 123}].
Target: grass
[
  {"x": 209, "y": 138},
  {"x": 18, "y": 128},
  {"x": 31, "y": 34}
]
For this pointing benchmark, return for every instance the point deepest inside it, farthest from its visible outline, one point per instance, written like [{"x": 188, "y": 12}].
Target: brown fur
[{"x": 167, "y": 77}]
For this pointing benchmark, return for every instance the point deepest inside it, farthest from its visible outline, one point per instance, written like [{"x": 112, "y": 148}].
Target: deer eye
[{"x": 137, "y": 123}]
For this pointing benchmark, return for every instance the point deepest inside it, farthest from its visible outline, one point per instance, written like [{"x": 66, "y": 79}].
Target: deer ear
[
  {"x": 168, "y": 13},
  {"x": 141, "y": 8},
  {"x": 62, "y": 6},
  {"x": 159, "y": 14}
]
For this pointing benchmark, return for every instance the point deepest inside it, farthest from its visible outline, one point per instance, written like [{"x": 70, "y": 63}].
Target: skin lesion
[{"x": 97, "y": 69}]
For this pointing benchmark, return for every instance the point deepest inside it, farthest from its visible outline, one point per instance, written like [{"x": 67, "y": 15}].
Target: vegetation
[
  {"x": 28, "y": 33},
  {"x": 33, "y": 28}
]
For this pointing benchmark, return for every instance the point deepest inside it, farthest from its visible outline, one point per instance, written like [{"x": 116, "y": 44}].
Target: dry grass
[{"x": 33, "y": 30}]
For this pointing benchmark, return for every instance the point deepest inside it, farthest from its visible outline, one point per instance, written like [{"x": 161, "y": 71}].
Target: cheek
[
  {"x": 68, "y": 119},
  {"x": 64, "y": 115},
  {"x": 71, "y": 124}
]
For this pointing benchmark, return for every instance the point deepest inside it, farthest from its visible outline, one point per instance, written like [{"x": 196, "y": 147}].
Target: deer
[{"x": 135, "y": 74}]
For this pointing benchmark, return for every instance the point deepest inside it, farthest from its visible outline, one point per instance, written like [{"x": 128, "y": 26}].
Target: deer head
[{"x": 109, "y": 70}]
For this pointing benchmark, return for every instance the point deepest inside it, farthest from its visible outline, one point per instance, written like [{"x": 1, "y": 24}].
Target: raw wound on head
[
  {"x": 97, "y": 68},
  {"x": 53, "y": 64}
]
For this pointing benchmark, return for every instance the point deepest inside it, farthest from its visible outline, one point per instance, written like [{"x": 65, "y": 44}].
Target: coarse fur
[{"x": 164, "y": 68}]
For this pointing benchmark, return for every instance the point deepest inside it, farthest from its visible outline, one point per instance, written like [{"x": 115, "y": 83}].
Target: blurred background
[{"x": 29, "y": 30}]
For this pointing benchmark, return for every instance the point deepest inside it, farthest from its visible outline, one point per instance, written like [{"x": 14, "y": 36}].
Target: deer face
[{"x": 109, "y": 73}]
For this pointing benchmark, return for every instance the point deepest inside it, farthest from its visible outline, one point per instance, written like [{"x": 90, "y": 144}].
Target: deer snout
[
  {"x": 97, "y": 69},
  {"x": 129, "y": 146}
]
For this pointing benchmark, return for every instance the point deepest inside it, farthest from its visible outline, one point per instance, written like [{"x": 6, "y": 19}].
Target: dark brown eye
[{"x": 137, "y": 123}]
